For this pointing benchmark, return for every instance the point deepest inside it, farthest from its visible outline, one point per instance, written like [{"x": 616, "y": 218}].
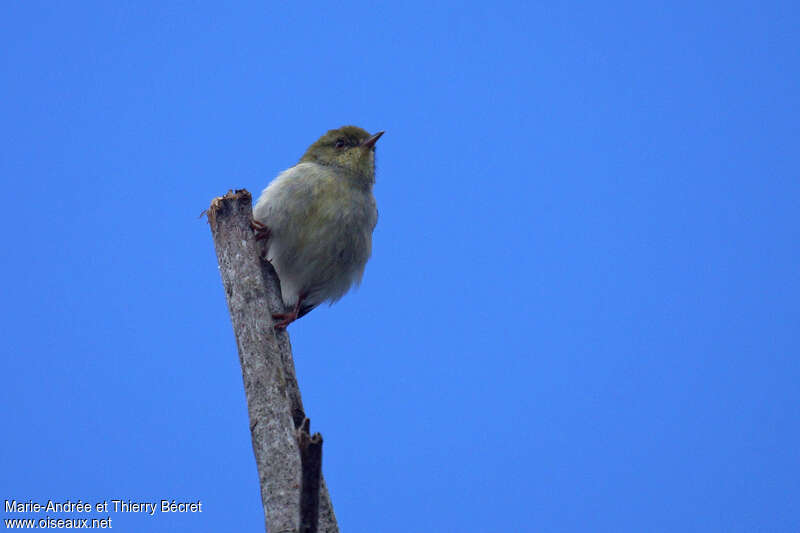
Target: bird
[{"x": 317, "y": 219}]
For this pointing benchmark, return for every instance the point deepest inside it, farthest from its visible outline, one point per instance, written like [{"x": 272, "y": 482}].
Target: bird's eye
[{"x": 340, "y": 143}]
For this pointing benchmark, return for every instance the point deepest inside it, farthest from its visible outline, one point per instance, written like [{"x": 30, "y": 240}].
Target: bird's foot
[
  {"x": 284, "y": 319},
  {"x": 261, "y": 230}
]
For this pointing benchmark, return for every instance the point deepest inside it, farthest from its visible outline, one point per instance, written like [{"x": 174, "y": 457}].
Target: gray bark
[{"x": 274, "y": 404}]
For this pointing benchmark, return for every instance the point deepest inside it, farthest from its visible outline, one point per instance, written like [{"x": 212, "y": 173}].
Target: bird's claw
[
  {"x": 261, "y": 230},
  {"x": 284, "y": 319}
]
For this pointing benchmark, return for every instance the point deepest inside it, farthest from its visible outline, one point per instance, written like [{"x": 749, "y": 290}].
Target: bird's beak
[{"x": 369, "y": 143}]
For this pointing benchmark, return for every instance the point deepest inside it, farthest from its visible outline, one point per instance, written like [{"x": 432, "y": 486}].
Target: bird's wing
[{"x": 290, "y": 196}]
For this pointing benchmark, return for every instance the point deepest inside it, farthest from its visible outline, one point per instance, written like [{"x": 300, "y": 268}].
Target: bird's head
[{"x": 349, "y": 148}]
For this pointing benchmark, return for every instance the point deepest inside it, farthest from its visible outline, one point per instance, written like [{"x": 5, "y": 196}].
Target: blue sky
[{"x": 581, "y": 311}]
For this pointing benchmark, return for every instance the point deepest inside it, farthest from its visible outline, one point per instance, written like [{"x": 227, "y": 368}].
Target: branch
[
  {"x": 311, "y": 460},
  {"x": 274, "y": 404}
]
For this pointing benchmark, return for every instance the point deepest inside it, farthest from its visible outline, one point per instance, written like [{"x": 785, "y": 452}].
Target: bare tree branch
[
  {"x": 274, "y": 404},
  {"x": 311, "y": 461}
]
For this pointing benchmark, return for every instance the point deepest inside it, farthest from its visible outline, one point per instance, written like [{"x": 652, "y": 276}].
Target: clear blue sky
[{"x": 581, "y": 313}]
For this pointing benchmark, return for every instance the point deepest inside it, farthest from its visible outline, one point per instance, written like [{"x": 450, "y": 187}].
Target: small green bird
[{"x": 317, "y": 218}]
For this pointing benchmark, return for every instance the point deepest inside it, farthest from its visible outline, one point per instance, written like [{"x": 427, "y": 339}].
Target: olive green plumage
[{"x": 319, "y": 216}]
